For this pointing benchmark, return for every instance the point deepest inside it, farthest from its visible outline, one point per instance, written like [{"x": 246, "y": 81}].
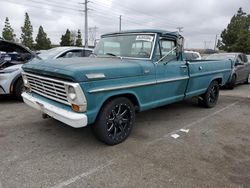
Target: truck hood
[{"x": 75, "y": 69}]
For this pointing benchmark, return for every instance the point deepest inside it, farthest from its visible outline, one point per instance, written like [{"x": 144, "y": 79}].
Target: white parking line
[
  {"x": 84, "y": 174},
  {"x": 194, "y": 123},
  {"x": 175, "y": 136}
]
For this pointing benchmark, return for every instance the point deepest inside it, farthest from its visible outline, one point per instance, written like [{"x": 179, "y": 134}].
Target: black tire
[
  {"x": 18, "y": 89},
  {"x": 210, "y": 98},
  {"x": 248, "y": 79},
  {"x": 115, "y": 121},
  {"x": 232, "y": 84}
]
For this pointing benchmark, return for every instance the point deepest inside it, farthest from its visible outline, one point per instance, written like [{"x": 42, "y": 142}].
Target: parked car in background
[
  {"x": 65, "y": 52},
  {"x": 129, "y": 72},
  {"x": 192, "y": 55},
  {"x": 248, "y": 57},
  {"x": 241, "y": 67},
  {"x": 13, "y": 56}
]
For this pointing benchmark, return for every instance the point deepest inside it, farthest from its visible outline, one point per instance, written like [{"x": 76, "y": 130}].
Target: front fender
[{"x": 97, "y": 100}]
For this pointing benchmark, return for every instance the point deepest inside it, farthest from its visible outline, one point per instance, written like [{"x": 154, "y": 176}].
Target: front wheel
[
  {"x": 115, "y": 121},
  {"x": 210, "y": 98},
  {"x": 18, "y": 89}
]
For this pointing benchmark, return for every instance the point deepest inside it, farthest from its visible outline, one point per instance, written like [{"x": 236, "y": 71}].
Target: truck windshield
[{"x": 127, "y": 46}]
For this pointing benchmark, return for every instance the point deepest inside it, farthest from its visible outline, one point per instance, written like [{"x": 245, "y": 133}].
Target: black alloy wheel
[
  {"x": 232, "y": 83},
  {"x": 18, "y": 89},
  {"x": 248, "y": 79},
  {"x": 210, "y": 98},
  {"x": 115, "y": 121}
]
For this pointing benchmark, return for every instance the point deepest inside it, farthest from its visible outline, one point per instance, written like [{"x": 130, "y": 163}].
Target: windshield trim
[{"x": 137, "y": 58}]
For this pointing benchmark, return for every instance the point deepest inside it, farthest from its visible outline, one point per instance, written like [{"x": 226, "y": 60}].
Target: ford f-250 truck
[{"x": 128, "y": 72}]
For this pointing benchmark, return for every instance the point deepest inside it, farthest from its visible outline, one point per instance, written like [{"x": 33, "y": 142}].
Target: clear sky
[{"x": 201, "y": 19}]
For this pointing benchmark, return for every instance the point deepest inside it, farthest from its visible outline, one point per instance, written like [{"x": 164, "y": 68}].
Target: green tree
[
  {"x": 8, "y": 32},
  {"x": 42, "y": 42},
  {"x": 79, "y": 38},
  {"x": 236, "y": 36},
  {"x": 66, "y": 39},
  {"x": 27, "y": 32}
]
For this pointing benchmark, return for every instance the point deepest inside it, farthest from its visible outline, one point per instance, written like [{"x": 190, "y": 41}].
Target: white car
[
  {"x": 248, "y": 57},
  {"x": 65, "y": 52},
  {"x": 192, "y": 55},
  {"x": 11, "y": 65},
  {"x": 13, "y": 56}
]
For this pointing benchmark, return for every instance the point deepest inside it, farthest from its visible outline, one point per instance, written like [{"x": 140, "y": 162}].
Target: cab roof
[{"x": 161, "y": 32}]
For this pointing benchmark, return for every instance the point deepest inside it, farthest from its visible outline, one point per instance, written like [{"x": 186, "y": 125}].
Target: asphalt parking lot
[{"x": 213, "y": 150}]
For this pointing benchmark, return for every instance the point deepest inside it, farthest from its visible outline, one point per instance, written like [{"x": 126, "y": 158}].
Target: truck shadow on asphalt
[{"x": 8, "y": 99}]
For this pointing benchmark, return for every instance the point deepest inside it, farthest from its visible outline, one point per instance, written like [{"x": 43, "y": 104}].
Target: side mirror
[{"x": 180, "y": 44}]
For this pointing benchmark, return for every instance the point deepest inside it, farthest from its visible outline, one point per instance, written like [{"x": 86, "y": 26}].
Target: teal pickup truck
[{"x": 128, "y": 72}]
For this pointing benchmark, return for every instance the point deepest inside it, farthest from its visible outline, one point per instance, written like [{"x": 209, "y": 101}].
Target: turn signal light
[{"x": 76, "y": 108}]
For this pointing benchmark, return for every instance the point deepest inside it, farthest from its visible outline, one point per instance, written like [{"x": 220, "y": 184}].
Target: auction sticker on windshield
[{"x": 147, "y": 38}]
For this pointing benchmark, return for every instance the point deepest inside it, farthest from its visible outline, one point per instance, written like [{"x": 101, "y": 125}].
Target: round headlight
[
  {"x": 71, "y": 93},
  {"x": 25, "y": 82}
]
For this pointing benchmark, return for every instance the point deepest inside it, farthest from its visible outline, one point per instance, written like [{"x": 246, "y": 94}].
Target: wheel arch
[
  {"x": 219, "y": 80},
  {"x": 14, "y": 82},
  {"x": 129, "y": 95}
]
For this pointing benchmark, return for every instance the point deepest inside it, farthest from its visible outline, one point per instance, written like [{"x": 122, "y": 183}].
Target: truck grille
[{"x": 47, "y": 87}]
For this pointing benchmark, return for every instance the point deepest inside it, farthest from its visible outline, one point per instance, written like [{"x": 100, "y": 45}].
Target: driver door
[{"x": 171, "y": 73}]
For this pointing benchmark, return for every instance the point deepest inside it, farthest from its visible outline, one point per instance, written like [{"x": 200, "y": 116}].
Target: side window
[
  {"x": 189, "y": 56},
  {"x": 240, "y": 59},
  {"x": 86, "y": 53},
  {"x": 195, "y": 56},
  {"x": 244, "y": 57},
  {"x": 72, "y": 53},
  {"x": 165, "y": 48}
]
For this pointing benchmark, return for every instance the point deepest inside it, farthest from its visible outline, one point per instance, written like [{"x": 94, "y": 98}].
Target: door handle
[{"x": 183, "y": 66}]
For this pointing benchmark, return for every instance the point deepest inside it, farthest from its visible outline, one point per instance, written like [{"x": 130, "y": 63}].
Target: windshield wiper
[{"x": 111, "y": 54}]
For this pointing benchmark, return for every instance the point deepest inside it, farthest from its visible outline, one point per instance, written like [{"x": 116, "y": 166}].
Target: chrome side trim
[
  {"x": 172, "y": 80},
  {"x": 137, "y": 85},
  {"x": 209, "y": 73},
  {"x": 121, "y": 87}
]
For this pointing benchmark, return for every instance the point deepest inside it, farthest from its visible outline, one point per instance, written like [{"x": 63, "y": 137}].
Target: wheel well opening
[
  {"x": 131, "y": 97},
  {"x": 219, "y": 80},
  {"x": 13, "y": 85}
]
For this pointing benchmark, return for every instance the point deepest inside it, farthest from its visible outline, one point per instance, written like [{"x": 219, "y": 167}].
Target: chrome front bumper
[{"x": 72, "y": 119}]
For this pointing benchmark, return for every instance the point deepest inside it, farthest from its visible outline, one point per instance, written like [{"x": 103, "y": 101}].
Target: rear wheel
[
  {"x": 115, "y": 121},
  {"x": 248, "y": 79},
  {"x": 210, "y": 98},
  {"x": 231, "y": 85},
  {"x": 18, "y": 89}
]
